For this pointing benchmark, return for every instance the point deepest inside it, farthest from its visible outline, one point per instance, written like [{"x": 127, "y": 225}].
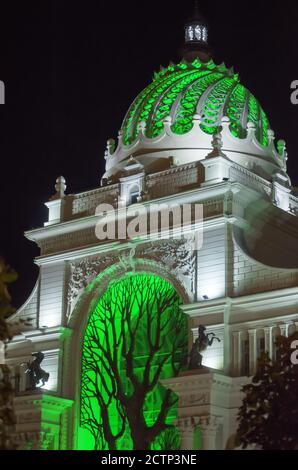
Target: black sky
[{"x": 72, "y": 68}]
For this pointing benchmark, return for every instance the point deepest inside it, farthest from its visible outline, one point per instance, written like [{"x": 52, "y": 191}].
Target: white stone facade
[{"x": 242, "y": 284}]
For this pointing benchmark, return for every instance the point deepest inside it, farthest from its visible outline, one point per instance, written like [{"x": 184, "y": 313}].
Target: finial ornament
[
  {"x": 217, "y": 145},
  {"x": 60, "y": 187},
  {"x": 282, "y": 150},
  {"x": 281, "y": 147},
  {"x": 120, "y": 135},
  {"x": 196, "y": 9},
  {"x": 110, "y": 148},
  {"x": 271, "y": 136}
]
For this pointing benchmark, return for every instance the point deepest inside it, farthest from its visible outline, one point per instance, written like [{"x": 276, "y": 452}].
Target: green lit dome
[{"x": 186, "y": 89}]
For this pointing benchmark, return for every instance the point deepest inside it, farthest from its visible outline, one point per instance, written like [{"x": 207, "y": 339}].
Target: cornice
[
  {"x": 42, "y": 399},
  {"x": 277, "y": 298}
]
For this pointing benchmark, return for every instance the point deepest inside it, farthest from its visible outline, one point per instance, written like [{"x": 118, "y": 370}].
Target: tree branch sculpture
[{"x": 135, "y": 332}]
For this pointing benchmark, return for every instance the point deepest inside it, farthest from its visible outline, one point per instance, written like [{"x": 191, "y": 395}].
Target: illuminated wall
[{"x": 140, "y": 313}]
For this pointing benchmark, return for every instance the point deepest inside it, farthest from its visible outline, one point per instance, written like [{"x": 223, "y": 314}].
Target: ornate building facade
[{"x": 195, "y": 135}]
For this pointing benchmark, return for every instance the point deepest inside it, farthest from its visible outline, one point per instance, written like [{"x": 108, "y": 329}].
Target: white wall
[
  {"x": 212, "y": 263},
  {"x": 51, "y": 294}
]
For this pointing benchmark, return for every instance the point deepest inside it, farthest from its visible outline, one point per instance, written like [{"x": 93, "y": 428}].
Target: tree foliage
[
  {"x": 169, "y": 439},
  {"x": 7, "y": 275},
  {"x": 135, "y": 332},
  {"x": 268, "y": 417}
]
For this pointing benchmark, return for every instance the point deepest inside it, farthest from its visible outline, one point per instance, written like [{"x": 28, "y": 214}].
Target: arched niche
[{"x": 80, "y": 317}]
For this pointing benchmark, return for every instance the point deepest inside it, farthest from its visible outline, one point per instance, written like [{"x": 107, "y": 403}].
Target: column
[
  {"x": 252, "y": 338},
  {"x": 186, "y": 427},
  {"x": 23, "y": 377},
  {"x": 209, "y": 427},
  {"x": 237, "y": 353},
  {"x": 284, "y": 329},
  {"x": 268, "y": 340}
]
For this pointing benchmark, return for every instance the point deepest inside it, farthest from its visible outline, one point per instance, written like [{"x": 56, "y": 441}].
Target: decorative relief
[
  {"x": 82, "y": 273},
  {"x": 194, "y": 399},
  {"x": 177, "y": 255}
]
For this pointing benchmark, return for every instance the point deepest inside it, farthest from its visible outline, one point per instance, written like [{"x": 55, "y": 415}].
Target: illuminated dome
[
  {"x": 174, "y": 119},
  {"x": 184, "y": 90}
]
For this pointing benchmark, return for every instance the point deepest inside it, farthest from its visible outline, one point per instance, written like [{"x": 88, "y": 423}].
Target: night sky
[{"x": 71, "y": 70}]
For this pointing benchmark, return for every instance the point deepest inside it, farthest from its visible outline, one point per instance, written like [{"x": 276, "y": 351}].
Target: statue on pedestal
[
  {"x": 35, "y": 373},
  {"x": 201, "y": 343}
]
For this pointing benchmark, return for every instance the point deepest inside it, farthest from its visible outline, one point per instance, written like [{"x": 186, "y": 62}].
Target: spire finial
[
  {"x": 196, "y": 10},
  {"x": 217, "y": 145}
]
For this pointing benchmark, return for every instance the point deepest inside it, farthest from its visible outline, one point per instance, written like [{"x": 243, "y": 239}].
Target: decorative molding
[
  {"x": 168, "y": 141},
  {"x": 82, "y": 273},
  {"x": 42, "y": 421},
  {"x": 207, "y": 423},
  {"x": 176, "y": 255},
  {"x": 194, "y": 399}
]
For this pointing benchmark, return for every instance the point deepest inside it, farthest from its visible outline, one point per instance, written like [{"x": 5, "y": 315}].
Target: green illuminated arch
[{"x": 138, "y": 314}]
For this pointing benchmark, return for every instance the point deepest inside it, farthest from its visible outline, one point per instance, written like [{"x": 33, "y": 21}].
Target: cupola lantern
[{"x": 196, "y": 30}]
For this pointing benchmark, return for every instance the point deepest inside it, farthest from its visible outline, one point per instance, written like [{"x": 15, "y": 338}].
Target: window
[
  {"x": 134, "y": 193},
  {"x": 196, "y": 33},
  {"x": 134, "y": 198}
]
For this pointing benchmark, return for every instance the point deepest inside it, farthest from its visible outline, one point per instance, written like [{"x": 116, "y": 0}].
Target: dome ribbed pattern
[{"x": 186, "y": 89}]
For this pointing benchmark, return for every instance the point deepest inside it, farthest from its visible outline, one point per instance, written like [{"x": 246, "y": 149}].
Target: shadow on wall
[{"x": 271, "y": 238}]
